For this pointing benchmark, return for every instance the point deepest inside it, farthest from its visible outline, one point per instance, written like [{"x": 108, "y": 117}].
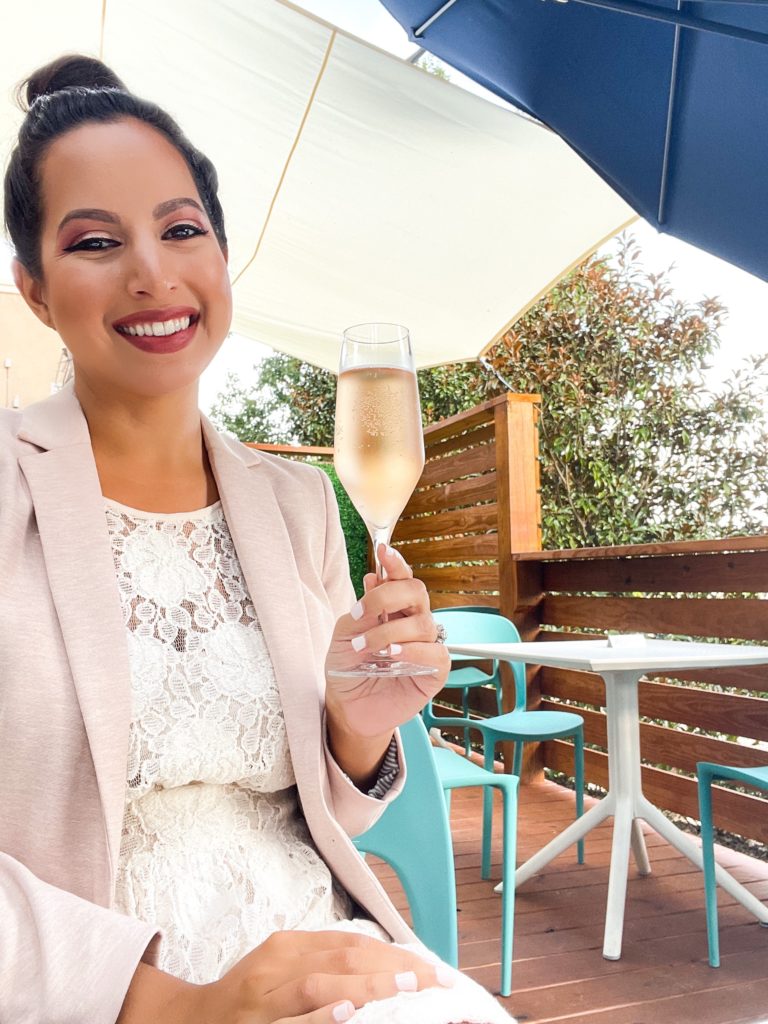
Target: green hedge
[{"x": 355, "y": 533}]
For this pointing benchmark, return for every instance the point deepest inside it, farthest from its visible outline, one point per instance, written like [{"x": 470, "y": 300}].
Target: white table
[{"x": 622, "y": 666}]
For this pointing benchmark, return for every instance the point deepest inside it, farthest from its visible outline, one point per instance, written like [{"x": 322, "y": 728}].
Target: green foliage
[
  {"x": 292, "y": 403},
  {"x": 635, "y": 446},
  {"x": 355, "y": 533}
]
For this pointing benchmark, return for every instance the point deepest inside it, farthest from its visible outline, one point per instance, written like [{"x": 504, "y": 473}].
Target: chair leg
[
  {"x": 465, "y": 712},
  {"x": 578, "y": 779},
  {"x": 517, "y": 759},
  {"x": 509, "y": 795},
  {"x": 708, "y": 855},
  {"x": 487, "y": 815}
]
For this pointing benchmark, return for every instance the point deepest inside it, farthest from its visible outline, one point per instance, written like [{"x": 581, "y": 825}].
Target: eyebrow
[{"x": 161, "y": 210}]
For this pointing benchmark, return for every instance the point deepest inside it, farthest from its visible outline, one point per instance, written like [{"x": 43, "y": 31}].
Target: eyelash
[{"x": 81, "y": 246}]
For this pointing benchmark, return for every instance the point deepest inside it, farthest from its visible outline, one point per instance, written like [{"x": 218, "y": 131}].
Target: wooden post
[{"x": 519, "y": 503}]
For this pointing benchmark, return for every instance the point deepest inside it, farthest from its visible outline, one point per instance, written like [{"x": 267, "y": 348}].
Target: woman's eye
[
  {"x": 184, "y": 231},
  {"x": 92, "y": 245}
]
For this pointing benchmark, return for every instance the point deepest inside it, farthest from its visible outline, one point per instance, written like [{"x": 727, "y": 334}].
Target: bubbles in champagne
[{"x": 379, "y": 445}]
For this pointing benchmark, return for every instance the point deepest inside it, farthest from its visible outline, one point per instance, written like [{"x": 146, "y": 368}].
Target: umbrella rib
[
  {"x": 433, "y": 18},
  {"x": 288, "y": 159},
  {"x": 661, "y": 212},
  {"x": 101, "y": 28}
]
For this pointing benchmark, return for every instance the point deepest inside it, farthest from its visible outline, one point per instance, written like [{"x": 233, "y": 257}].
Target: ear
[{"x": 33, "y": 292}]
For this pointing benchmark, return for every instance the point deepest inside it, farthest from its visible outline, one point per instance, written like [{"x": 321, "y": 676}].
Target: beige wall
[{"x": 34, "y": 351}]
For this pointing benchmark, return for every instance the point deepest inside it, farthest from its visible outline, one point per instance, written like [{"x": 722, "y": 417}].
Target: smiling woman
[{"x": 180, "y": 783}]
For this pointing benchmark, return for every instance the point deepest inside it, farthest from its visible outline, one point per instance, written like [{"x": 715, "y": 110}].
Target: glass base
[{"x": 383, "y": 667}]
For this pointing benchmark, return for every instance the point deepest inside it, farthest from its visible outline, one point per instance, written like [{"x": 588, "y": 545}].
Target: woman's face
[{"x": 134, "y": 279}]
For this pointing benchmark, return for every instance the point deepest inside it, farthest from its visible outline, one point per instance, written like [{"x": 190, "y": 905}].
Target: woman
[{"x": 179, "y": 771}]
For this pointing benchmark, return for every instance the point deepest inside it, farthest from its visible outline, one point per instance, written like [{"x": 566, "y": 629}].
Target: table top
[{"x": 637, "y": 655}]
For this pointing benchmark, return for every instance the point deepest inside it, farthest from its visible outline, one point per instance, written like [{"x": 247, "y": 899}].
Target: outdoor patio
[{"x": 559, "y": 973}]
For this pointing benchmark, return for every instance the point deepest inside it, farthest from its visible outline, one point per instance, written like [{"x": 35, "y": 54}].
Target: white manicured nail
[
  {"x": 356, "y": 611},
  {"x": 395, "y": 648},
  {"x": 343, "y": 1011},
  {"x": 358, "y": 643},
  {"x": 391, "y": 551},
  {"x": 445, "y": 976},
  {"x": 407, "y": 981}
]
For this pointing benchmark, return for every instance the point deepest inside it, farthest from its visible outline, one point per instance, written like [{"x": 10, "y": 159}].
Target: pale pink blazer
[{"x": 65, "y": 701}]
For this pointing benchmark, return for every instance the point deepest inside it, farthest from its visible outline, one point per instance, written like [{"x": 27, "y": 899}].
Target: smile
[{"x": 157, "y": 329}]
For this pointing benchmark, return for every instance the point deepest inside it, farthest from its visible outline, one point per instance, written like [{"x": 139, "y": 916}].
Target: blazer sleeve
[
  {"x": 63, "y": 960},
  {"x": 355, "y": 811}
]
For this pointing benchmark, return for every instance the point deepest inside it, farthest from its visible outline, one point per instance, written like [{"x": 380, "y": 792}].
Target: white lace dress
[{"x": 214, "y": 848}]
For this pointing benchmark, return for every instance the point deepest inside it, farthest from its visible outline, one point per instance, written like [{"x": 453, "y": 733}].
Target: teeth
[{"x": 158, "y": 329}]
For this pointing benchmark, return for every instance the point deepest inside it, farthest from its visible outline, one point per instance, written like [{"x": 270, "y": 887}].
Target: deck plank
[{"x": 559, "y": 974}]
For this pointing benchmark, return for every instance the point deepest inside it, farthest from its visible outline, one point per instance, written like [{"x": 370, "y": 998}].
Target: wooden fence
[{"x": 476, "y": 502}]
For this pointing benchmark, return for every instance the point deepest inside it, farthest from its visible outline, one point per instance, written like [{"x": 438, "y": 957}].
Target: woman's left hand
[{"x": 373, "y": 706}]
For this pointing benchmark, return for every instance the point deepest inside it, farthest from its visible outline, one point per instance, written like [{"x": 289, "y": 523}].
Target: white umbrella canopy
[{"x": 355, "y": 186}]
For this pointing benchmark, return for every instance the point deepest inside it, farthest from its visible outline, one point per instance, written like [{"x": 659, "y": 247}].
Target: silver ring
[{"x": 442, "y": 633}]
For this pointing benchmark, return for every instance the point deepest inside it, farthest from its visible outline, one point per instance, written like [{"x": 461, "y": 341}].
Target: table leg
[
  {"x": 639, "y": 851},
  {"x": 624, "y": 782},
  {"x": 617, "y": 880},
  {"x": 687, "y": 846},
  {"x": 575, "y": 831}
]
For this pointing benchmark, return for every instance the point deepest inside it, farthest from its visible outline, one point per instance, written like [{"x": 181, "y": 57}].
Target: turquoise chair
[
  {"x": 414, "y": 837},
  {"x": 465, "y": 678},
  {"x": 518, "y": 726},
  {"x": 707, "y": 774},
  {"x": 457, "y": 772},
  {"x": 418, "y": 821}
]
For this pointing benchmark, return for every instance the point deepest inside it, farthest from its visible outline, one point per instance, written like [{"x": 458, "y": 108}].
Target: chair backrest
[
  {"x": 477, "y": 627},
  {"x": 413, "y": 836}
]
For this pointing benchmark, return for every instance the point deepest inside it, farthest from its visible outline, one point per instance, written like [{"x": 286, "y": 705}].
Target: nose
[{"x": 150, "y": 270}]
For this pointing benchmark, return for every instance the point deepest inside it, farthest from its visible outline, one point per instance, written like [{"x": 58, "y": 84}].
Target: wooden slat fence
[{"x": 477, "y": 497}]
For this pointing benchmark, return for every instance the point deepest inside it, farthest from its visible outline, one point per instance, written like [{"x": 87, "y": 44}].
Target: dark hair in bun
[{"x": 70, "y": 91}]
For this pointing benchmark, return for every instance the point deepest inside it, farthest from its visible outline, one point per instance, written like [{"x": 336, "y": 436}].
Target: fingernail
[
  {"x": 445, "y": 976},
  {"x": 358, "y": 643},
  {"x": 395, "y": 648},
  {"x": 356, "y": 611},
  {"x": 343, "y": 1011},
  {"x": 407, "y": 981},
  {"x": 390, "y": 551}
]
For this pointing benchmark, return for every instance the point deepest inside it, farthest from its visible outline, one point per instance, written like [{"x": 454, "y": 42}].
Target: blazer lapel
[{"x": 70, "y": 516}]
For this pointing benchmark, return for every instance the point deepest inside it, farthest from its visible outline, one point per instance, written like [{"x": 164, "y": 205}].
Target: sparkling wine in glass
[{"x": 379, "y": 446}]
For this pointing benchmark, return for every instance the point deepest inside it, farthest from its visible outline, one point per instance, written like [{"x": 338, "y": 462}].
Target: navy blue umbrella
[{"x": 666, "y": 99}]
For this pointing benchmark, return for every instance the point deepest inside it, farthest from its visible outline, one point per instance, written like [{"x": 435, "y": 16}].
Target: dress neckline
[{"x": 138, "y": 513}]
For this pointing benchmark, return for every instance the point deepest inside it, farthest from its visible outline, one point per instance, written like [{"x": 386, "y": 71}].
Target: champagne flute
[{"x": 379, "y": 447}]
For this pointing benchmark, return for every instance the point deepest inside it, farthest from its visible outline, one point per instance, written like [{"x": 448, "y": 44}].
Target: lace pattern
[{"x": 214, "y": 849}]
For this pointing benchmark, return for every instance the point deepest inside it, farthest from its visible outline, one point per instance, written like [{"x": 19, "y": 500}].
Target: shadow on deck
[{"x": 559, "y": 973}]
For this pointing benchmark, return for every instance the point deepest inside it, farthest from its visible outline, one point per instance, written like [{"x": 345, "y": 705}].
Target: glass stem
[{"x": 380, "y": 536}]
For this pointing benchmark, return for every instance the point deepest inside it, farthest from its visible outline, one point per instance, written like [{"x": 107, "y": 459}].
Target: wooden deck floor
[{"x": 559, "y": 973}]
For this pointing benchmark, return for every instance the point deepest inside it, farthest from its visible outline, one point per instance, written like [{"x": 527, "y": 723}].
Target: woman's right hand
[
  {"x": 314, "y": 978},
  {"x": 292, "y": 978}
]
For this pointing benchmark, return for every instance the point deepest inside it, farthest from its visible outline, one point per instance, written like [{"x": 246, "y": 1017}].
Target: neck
[
  {"x": 155, "y": 431},
  {"x": 149, "y": 451}
]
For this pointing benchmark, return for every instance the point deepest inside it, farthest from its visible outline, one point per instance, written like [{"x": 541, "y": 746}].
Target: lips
[{"x": 159, "y": 331}]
